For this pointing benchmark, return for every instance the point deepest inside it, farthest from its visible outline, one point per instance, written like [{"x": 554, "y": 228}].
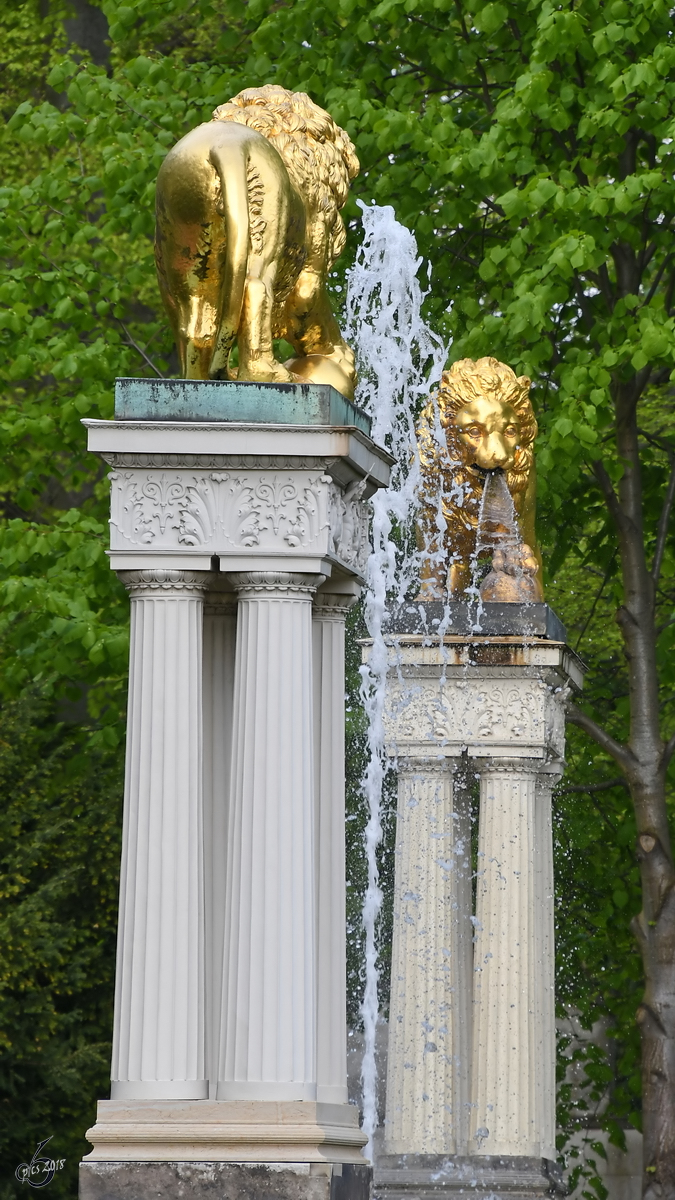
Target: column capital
[
  {"x": 220, "y": 604},
  {"x": 332, "y": 606},
  {"x": 151, "y": 582},
  {"x": 280, "y": 585},
  {"x": 425, "y": 767},
  {"x": 509, "y": 766}
]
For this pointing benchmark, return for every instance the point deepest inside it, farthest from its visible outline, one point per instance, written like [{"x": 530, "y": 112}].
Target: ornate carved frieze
[
  {"x": 217, "y": 510},
  {"x": 446, "y": 715},
  {"x": 233, "y": 510}
]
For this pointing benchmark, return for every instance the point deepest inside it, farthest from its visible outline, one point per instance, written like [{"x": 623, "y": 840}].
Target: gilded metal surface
[
  {"x": 481, "y": 420},
  {"x": 248, "y": 228}
]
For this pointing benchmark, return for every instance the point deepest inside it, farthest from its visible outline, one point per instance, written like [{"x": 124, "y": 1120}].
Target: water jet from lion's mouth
[{"x": 498, "y": 526}]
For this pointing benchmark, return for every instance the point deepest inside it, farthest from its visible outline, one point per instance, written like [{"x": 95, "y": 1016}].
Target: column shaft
[
  {"x": 158, "y": 1040},
  {"x": 220, "y": 624},
  {"x": 507, "y": 1029},
  {"x": 429, "y": 1044},
  {"x": 545, "y": 1050},
  {"x": 328, "y": 632},
  {"x": 268, "y": 1037}
]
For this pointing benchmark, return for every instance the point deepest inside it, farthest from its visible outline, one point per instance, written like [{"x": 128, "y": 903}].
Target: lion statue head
[
  {"x": 480, "y": 420},
  {"x": 319, "y": 156}
]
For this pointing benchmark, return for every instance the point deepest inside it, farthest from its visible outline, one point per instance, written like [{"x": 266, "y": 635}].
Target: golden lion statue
[
  {"x": 486, "y": 424},
  {"x": 248, "y": 227}
]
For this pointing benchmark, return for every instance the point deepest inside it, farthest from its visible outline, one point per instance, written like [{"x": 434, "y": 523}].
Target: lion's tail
[{"x": 230, "y": 161}]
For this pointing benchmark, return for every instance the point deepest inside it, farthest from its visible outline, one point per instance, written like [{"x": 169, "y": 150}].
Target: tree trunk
[{"x": 643, "y": 761}]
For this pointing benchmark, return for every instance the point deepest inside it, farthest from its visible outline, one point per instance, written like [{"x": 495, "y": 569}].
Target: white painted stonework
[
  {"x": 427, "y": 1105},
  {"x": 259, "y": 496},
  {"x": 158, "y": 1038},
  {"x": 242, "y": 548},
  {"x": 492, "y": 708},
  {"x": 220, "y": 631},
  {"x": 331, "y": 606}
]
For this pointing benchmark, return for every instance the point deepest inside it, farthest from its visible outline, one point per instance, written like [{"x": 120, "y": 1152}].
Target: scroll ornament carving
[
  {"x": 182, "y": 508},
  {"x": 229, "y": 509},
  {"x": 498, "y": 712}
]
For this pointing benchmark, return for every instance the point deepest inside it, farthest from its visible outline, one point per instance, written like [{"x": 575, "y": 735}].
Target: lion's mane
[
  {"x": 465, "y": 381},
  {"x": 318, "y": 155}
]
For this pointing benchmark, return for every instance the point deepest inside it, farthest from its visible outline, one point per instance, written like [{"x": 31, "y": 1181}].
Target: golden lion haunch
[
  {"x": 486, "y": 423},
  {"x": 248, "y": 227}
]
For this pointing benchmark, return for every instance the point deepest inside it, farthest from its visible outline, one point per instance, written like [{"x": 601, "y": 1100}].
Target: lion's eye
[
  {"x": 474, "y": 431},
  {"x": 511, "y": 431}
]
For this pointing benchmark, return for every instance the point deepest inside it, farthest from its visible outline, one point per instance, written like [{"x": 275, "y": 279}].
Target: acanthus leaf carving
[
  {"x": 217, "y": 509},
  {"x": 472, "y": 713}
]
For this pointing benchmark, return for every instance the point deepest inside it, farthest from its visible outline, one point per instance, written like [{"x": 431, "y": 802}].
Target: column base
[
  {"x": 431, "y": 1176},
  {"x": 213, "y": 1180},
  {"x": 236, "y": 1131}
]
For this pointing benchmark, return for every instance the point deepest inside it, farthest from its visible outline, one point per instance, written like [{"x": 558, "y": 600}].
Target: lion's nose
[{"x": 494, "y": 453}]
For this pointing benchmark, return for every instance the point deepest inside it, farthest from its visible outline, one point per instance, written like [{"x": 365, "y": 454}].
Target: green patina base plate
[{"x": 250, "y": 403}]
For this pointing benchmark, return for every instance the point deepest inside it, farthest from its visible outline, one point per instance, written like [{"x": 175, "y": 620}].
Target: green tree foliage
[
  {"x": 529, "y": 146},
  {"x": 59, "y": 868}
]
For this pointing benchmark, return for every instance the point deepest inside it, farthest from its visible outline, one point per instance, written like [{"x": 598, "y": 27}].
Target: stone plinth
[
  {"x": 213, "y": 1180},
  {"x": 225, "y": 1131},
  {"x": 432, "y": 1177},
  {"x": 472, "y": 1038},
  {"x": 242, "y": 546}
]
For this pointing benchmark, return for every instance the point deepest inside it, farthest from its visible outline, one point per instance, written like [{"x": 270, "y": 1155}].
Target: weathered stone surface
[
  {"x": 222, "y": 1181},
  {"x": 430, "y": 1176},
  {"x": 490, "y": 620}
]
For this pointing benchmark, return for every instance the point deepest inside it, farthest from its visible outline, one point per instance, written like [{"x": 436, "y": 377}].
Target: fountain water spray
[{"x": 400, "y": 361}]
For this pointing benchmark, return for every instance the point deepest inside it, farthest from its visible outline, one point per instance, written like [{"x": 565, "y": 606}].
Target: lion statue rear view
[{"x": 248, "y": 227}]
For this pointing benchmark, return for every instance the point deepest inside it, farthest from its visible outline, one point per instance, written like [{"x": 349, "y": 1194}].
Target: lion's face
[{"x": 487, "y": 433}]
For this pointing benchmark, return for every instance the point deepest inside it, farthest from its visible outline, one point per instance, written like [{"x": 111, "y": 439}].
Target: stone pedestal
[
  {"x": 214, "y": 1180},
  {"x": 434, "y": 1177},
  {"x": 490, "y": 707},
  {"x": 243, "y": 545}
]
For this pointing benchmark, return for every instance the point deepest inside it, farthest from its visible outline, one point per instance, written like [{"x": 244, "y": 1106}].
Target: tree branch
[
  {"x": 594, "y": 787},
  {"x": 604, "y": 740},
  {"x": 657, "y": 279},
  {"x": 140, "y": 350},
  {"x": 607, "y": 488},
  {"x": 596, "y": 600},
  {"x": 662, "y": 532}
]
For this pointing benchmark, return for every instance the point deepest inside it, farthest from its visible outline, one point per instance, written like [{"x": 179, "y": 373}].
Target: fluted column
[
  {"x": 268, "y": 1032},
  {"x": 429, "y": 1013},
  {"x": 506, "y": 1100},
  {"x": 328, "y": 628},
  {"x": 545, "y": 1045},
  {"x": 220, "y": 624},
  {"x": 158, "y": 1040}
]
